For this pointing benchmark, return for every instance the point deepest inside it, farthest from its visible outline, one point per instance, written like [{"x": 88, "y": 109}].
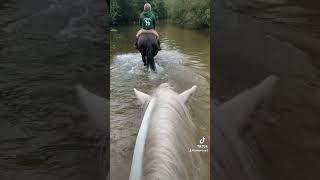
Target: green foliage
[
  {"x": 158, "y": 7},
  {"x": 121, "y": 11},
  {"x": 190, "y": 13}
]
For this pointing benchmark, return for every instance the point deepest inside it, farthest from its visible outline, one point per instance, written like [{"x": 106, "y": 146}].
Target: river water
[
  {"x": 254, "y": 39},
  {"x": 46, "y": 48},
  {"x": 183, "y": 62}
]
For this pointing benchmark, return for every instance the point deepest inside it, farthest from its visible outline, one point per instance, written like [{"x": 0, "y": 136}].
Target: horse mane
[{"x": 171, "y": 134}]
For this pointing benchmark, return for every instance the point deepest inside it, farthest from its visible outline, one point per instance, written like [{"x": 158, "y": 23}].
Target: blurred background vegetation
[{"x": 188, "y": 13}]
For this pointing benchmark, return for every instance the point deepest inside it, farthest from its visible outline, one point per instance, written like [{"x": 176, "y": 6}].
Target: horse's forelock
[
  {"x": 165, "y": 90},
  {"x": 165, "y": 86}
]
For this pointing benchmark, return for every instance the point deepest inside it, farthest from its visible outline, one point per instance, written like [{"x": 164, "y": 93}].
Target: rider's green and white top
[{"x": 147, "y": 20}]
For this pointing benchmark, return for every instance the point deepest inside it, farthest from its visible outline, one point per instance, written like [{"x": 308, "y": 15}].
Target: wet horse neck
[
  {"x": 167, "y": 145},
  {"x": 165, "y": 135}
]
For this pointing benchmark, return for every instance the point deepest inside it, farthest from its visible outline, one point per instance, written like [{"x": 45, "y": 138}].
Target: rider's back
[{"x": 147, "y": 20}]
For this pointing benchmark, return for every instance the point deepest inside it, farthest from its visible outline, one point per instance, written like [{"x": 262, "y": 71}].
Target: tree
[{"x": 189, "y": 13}]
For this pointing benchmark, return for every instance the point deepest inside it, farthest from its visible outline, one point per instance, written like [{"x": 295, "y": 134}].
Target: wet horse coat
[{"x": 148, "y": 46}]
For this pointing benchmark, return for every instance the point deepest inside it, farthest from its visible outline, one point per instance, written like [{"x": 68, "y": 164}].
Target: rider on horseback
[{"x": 147, "y": 23}]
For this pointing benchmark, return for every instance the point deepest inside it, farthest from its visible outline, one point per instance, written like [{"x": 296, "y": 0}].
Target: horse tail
[{"x": 150, "y": 59}]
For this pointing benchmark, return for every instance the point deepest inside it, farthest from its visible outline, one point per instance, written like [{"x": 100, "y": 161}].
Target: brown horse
[{"x": 148, "y": 46}]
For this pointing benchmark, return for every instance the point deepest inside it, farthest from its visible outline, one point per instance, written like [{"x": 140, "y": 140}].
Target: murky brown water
[{"x": 183, "y": 62}]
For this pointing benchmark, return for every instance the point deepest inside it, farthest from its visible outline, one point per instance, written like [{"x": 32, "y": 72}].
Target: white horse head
[
  {"x": 164, "y": 154},
  {"x": 165, "y": 136}
]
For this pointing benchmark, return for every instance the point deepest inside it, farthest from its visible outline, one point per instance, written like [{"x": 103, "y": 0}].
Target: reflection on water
[
  {"x": 183, "y": 62},
  {"x": 296, "y": 14},
  {"x": 257, "y": 38},
  {"x": 45, "y": 133}
]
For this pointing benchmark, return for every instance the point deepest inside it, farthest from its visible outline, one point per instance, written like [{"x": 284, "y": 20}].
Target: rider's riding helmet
[{"x": 147, "y": 7}]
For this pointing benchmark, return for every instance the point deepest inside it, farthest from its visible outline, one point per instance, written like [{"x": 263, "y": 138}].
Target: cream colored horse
[
  {"x": 165, "y": 136},
  {"x": 167, "y": 130}
]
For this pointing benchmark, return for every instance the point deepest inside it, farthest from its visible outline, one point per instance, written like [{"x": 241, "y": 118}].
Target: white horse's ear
[
  {"x": 237, "y": 110},
  {"x": 96, "y": 107},
  {"x": 187, "y": 93},
  {"x": 142, "y": 97}
]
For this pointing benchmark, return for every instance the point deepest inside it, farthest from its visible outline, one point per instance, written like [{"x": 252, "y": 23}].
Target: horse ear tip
[
  {"x": 136, "y": 91},
  {"x": 274, "y": 77},
  {"x": 194, "y": 87},
  {"x": 77, "y": 86}
]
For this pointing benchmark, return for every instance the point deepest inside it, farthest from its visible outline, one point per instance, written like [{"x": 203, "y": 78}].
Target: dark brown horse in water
[{"x": 148, "y": 46}]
